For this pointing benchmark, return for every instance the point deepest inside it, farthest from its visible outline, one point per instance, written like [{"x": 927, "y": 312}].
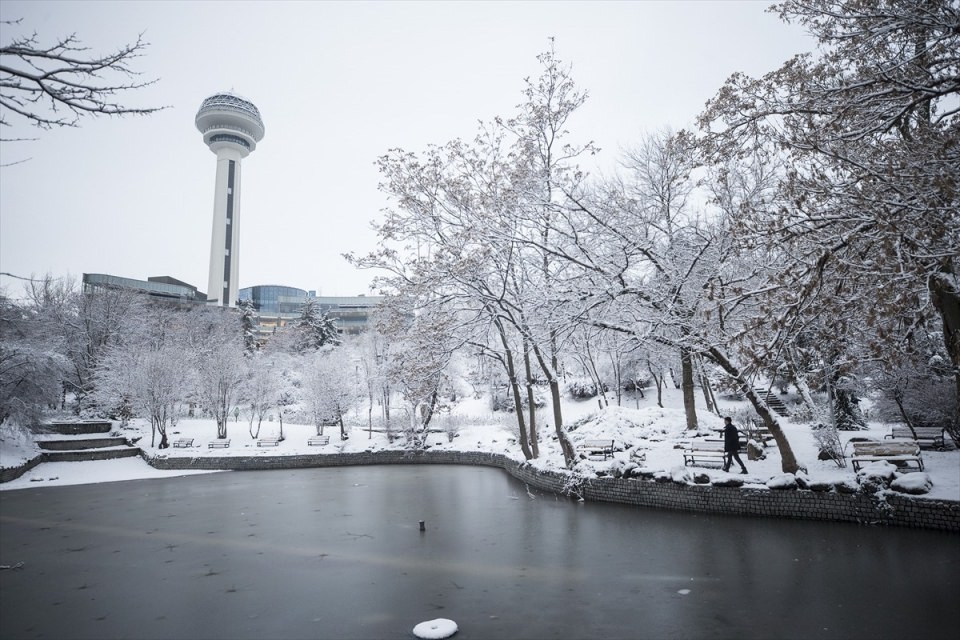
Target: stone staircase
[
  {"x": 773, "y": 401},
  {"x": 83, "y": 440}
]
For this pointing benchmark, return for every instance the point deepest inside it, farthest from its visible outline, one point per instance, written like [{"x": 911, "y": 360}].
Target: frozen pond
[{"x": 337, "y": 553}]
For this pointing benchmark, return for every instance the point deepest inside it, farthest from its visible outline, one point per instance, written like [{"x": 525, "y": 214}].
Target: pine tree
[
  {"x": 248, "y": 326},
  {"x": 314, "y": 329}
]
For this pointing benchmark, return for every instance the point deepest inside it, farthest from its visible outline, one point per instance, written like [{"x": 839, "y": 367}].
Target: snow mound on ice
[{"x": 435, "y": 629}]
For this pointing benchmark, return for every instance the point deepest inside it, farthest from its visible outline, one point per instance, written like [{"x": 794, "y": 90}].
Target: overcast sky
[{"x": 337, "y": 84}]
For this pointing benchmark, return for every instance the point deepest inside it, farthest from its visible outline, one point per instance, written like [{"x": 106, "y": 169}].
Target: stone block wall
[{"x": 12, "y": 473}]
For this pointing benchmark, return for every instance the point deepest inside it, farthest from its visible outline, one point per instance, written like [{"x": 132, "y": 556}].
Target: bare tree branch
[{"x": 56, "y": 85}]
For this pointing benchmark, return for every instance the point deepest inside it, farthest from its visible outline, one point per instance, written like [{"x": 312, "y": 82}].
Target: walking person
[{"x": 731, "y": 446}]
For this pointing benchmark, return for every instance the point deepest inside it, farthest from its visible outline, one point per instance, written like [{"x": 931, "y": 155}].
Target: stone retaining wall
[
  {"x": 78, "y": 427},
  {"x": 867, "y": 508},
  {"x": 90, "y": 454},
  {"x": 81, "y": 443},
  {"x": 12, "y": 473}
]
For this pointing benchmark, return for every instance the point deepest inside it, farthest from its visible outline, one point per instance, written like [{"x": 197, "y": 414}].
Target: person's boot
[{"x": 743, "y": 471}]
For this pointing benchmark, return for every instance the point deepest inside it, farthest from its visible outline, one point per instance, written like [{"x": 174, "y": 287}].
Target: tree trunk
[
  {"x": 431, "y": 407},
  {"x": 550, "y": 371},
  {"x": 800, "y": 382},
  {"x": 659, "y": 381},
  {"x": 689, "y": 393},
  {"x": 707, "y": 391},
  {"x": 514, "y": 387},
  {"x": 531, "y": 402},
  {"x": 617, "y": 377},
  {"x": 370, "y": 416},
  {"x": 946, "y": 300},
  {"x": 788, "y": 463}
]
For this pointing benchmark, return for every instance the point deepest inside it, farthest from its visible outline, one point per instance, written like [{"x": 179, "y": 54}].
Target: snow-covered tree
[
  {"x": 149, "y": 372},
  {"x": 87, "y": 323},
  {"x": 248, "y": 325},
  {"x": 869, "y": 229},
  {"x": 314, "y": 329},
  {"x": 329, "y": 387},
  {"x": 32, "y": 364},
  {"x": 423, "y": 341},
  {"x": 472, "y": 231},
  {"x": 258, "y": 390},
  {"x": 220, "y": 364},
  {"x": 372, "y": 352}
]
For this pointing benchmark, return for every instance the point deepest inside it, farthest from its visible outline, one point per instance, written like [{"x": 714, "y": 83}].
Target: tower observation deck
[{"x": 231, "y": 128}]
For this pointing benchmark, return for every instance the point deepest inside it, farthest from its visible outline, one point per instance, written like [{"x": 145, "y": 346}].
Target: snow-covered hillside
[{"x": 647, "y": 436}]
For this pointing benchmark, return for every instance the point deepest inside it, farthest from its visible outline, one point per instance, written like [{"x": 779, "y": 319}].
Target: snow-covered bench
[
  {"x": 183, "y": 442},
  {"x": 268, "y": 442},
  {"x": 599, "y": 448},
  {"x": 905, "y": 454},
  {"x": 704, "y": 452},
  {"x": 219, "y": 444},
  {"x": 318, "y": 441},
  {"x": 927, "y": 437}
]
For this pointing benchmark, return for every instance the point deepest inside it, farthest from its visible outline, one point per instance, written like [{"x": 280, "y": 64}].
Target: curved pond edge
[{"x": 861, "y": 507}]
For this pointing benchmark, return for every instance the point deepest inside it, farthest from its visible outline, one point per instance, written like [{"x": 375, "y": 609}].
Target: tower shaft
[{"x": 223, "y": 283}]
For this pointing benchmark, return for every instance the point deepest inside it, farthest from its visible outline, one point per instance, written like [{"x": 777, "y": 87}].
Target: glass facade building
[
  {"x": 159, "y": 287},
  {"x": 277, "y": 305}
]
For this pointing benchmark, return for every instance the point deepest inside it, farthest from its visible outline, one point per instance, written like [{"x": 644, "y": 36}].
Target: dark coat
[{"x": 731, "y": 438}]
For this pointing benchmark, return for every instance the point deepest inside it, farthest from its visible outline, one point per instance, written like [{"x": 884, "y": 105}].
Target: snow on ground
[
  {"x": 649, "y": 436},
  {"x": 62, "y": 473}
]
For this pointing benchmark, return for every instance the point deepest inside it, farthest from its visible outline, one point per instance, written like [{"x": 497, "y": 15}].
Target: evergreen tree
[
  {"x": 248, "y": 325},
  {"x": 314, "y": 329}
]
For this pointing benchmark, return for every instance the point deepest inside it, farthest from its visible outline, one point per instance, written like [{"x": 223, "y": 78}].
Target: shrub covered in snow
[
  {"x": 876, "y": 476},
  {"x": 783, "y": 481},
  {"x": 681, "y": 475},
  {"x": 912, "y": 483},
  {"x": 582, "y": 389}
]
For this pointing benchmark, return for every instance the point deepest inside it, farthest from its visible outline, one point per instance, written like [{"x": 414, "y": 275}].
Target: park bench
[
  {"x": 318, "y": 441},
  {"x": 760, "y": 434},
  {"x": 268, "y": 442},
  {"x": 183, "y": 442},
  {"x": 905, "y": 454},
  {"x": 704, "y": 452},
  {"x": 927, "y": 437},
  {"x": 219, "y": 444},
  {"x": 599, "y": 448}
]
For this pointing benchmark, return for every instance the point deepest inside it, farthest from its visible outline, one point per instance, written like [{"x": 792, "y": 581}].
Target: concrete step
[
  {"x": 90, "y": 454},
  {"x": 78, "y": 427},
  {"x": 775, "y": 403},
  {"x": 74, "y": 444}
]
